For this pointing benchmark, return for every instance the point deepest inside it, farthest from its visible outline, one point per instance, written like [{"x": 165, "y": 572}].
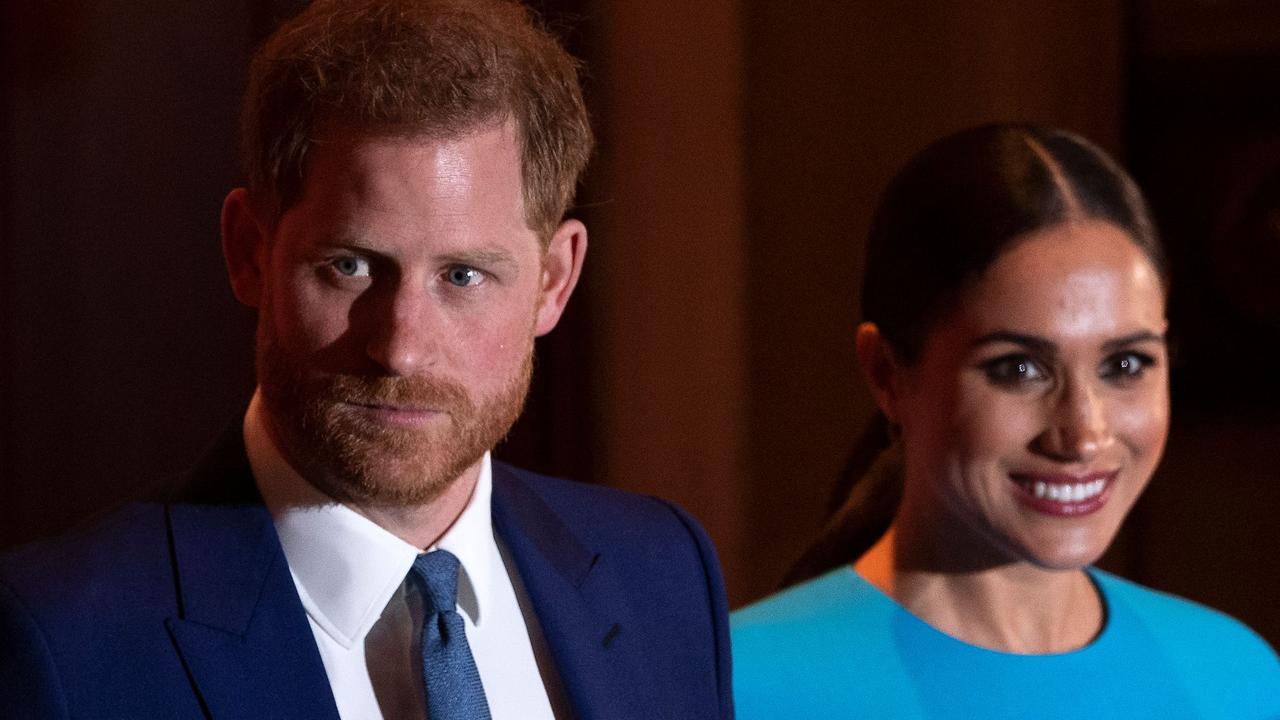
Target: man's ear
[
  {"x": 244, "y": 247},
  {"x": 561, "y": 266},
  {"x": 881, "y": 369}
]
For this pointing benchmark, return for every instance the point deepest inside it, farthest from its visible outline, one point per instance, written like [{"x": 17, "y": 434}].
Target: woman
[{"x": 1015, "y": 342}]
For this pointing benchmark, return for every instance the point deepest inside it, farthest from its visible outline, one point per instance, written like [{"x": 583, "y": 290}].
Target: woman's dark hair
[{"x": 956, "y": 207}]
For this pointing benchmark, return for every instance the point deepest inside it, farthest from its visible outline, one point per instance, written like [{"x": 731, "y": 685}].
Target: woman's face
[{"x": 1039, "y": 407}]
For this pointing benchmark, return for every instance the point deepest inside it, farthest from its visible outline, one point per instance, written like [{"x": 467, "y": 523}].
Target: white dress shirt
[{"x": 351, "y": 577}]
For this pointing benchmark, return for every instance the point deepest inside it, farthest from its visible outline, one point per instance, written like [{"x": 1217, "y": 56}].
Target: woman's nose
[{"x": 1078, "y": 426}]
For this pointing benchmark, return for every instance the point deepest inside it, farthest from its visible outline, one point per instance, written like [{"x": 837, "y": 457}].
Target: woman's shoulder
[
  {"x": 834, "y": 599},
  {"x": 1211, "y": 646},
  {"x": 1176, "y": 618},
  {"x": 814, "y": 650},
  {"x": 807, "y": 624}
]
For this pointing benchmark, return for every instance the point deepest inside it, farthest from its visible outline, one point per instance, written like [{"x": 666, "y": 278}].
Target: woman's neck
[{"x": 1011, "y": 607}]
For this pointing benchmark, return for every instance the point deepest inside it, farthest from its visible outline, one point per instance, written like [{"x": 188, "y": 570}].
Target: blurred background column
[{"x": 669, "y": 259}]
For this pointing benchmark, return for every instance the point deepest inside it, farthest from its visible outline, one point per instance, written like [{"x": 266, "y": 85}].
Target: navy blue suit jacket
[{"x": 187, "y": 609}]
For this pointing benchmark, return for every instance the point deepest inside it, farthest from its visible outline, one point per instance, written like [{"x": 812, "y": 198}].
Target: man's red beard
[{"x": 340, "y": 449}]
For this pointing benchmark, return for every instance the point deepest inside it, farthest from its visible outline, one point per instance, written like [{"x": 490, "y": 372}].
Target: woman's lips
[{"x": 1065, "y": 495}]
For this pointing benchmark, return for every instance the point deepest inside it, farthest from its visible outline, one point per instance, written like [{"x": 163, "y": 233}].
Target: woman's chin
[{"x": 1063, "y": 556}]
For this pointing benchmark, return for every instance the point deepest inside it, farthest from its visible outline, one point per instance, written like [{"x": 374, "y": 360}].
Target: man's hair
[{"x": 433, "y": 68}]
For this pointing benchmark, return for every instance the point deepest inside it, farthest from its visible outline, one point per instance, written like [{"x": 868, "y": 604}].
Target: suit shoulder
[
  {"x": 647, "y": 538},
  {"x": 595, "y": 509},
  {"x": 122, "y": 558},
  {"x": 650, "y": 543}
]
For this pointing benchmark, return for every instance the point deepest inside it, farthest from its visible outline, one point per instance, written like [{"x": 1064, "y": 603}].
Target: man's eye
[
  {"x": 1126, "y": 366},
  {"x": 351, "y": 266},
  {"x": 463, "y": 276},
  {"x": 1013, "y": 370}
]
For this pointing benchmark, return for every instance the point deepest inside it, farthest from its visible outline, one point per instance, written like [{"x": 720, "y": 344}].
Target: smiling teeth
[{"x": 1074, "y": 492}]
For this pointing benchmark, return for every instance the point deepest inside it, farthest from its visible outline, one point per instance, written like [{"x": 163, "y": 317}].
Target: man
[{"x": 351, "y": 550}]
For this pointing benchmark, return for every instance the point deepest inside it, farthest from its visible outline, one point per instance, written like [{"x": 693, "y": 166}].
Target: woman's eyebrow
[
  {"x": 1143, "y": 336},
  {"x": 1049, "y": 347},
  {"x": 1032, "y": 342}
]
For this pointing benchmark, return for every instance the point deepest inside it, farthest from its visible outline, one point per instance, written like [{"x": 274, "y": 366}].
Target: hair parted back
[
  {"x": 953, "y": 210},
  {"x": 965, "y": 199},
  {"x": 436, "y": 68}
]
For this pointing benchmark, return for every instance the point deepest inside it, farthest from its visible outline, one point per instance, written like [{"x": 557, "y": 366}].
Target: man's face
[{"x": 398, "y": 302}]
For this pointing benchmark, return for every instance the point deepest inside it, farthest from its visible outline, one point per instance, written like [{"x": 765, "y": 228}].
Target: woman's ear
[{"x": 880, "y": 368}]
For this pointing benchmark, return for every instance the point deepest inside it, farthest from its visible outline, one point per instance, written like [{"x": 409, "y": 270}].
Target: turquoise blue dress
[{"x": 837, "y": 647}]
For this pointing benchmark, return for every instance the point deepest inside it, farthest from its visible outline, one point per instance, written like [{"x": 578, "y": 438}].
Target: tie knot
[{"x": 439, "y": 572}]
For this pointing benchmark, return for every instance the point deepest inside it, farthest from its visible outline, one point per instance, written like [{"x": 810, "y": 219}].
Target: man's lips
[
  {"x": 396, "y": 414},
  {"x": 1065, "y": 495}
]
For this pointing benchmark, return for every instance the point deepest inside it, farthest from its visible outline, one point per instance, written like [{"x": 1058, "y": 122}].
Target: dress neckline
[{"x": 1100, "y": 639}]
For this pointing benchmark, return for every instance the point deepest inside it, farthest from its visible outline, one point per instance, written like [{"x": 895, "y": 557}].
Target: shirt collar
[{"x": 345, "y": 566}]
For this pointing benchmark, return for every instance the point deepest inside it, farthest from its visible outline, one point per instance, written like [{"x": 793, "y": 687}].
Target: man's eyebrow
[
  {"x": 349, "y": 244},
  {"x": 1033, "y": 342},
  {"x": 481, "y": 257},
  {"x": 344, "y": 240},
  {"x": 494, "y": 256}
]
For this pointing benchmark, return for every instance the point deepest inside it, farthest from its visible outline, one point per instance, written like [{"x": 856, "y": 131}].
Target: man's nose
[
  {"x": 1078, "y": 424},
  {"x": 405, "y": 329}
]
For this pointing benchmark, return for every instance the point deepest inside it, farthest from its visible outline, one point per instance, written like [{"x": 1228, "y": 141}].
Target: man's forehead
[
  {"x": 484, "y": 158},
  {"x": 360, "y": 185},
  {"x": 351, "y": 131}
]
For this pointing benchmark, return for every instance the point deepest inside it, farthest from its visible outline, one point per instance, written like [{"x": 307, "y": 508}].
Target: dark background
[{"x": 708, "y": 355}]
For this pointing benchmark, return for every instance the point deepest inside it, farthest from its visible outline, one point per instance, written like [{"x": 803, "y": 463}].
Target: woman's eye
[
  {"x": 1126, "y": 366},
  {"x": 463, "y": 276},
  {"x": 350, "y": 266},
  {"x": 1012, "y": 370}
]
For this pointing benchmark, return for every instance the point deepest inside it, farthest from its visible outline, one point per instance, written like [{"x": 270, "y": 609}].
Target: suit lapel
[
  {"x": 241, "y": 630},
  {"x": 243, "y": 634},
  {"x": 580, "y": 605}
]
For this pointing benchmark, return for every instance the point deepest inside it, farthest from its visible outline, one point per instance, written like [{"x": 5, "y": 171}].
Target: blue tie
[{"x": 454, "y": 691}]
